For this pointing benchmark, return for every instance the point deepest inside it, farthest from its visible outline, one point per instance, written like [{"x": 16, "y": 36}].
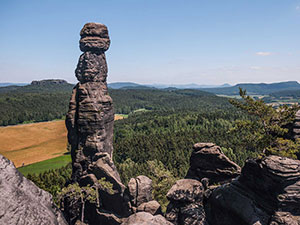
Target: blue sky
[{"x": 155, "y": 41}]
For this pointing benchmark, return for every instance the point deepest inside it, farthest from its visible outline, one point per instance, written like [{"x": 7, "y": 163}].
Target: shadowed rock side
[
  {"x": 22, "y": 202},
  {"x": 208, "y": 161},
  {"x": 267, "y": 192},
  {"x": 90, "y": 117},
  {"x": 186, "y": 203},
  {"x": 296, "y": 126}
]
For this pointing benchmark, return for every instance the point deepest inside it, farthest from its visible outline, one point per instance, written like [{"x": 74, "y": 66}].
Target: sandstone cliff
[{"x": 22, "y": 202}]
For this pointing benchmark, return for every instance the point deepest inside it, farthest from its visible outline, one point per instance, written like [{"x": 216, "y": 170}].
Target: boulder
[
  {"x": 186, "y": 203},
  {"x": 94, "y": 37},
  {"x": 267, "y": 190},
  {"x": 140, "y": 190},
  {"x": 152, "y": 207},
  {"x": 22, "y": 202},
  {"x": 144, "y": 218},
  {"x": 208, "y": 161},
  {"x": 117, "y": 201}
]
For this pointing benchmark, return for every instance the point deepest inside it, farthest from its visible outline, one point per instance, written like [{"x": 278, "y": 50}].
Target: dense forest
[
  {"x": 155, "y": 141},
  {"x": 37, "y": 103}
]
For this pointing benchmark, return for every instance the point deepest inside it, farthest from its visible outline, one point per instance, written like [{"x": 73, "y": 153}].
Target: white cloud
[{"x": 263, "y": 53}]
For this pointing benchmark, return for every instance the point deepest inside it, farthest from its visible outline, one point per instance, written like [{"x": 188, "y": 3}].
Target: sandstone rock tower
[
  {"x": 90, "y": 133},
  {"x": 90, "y": 117}
]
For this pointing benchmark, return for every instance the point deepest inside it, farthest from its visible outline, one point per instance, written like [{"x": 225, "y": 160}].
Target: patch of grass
[{"x": 43, "y": 166}]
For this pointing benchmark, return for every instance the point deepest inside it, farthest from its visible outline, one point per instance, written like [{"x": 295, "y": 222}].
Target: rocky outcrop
[
  {"x": 296, "y": 126},
  {"x": 49, "y": 81},
  {"x": 22, "y": 202},
  {"x": 90, "y": 117},
  {"x": 152, "y": 207},
  {"x": 144, "y": 218},
  {"x": 140, "y": 190},
  {"x": 208, "y": 161},
  {"x": 186, "y": 203},
  {"x": 267, "y": 192},
  {"x": 90, "y": 132}
]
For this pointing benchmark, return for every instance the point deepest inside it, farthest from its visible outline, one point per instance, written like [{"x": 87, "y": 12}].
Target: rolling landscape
[
  {"x": 23, "y": 144},
  {"x": 150, "y": 112}
]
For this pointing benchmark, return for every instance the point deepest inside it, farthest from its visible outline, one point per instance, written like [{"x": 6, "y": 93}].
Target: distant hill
[
  {"x": 187, "y": 86},
  {"x": 256, "y": 89},
  {"x": 286, "y": 93},
  {"x": 12, "y": 84},
  {"x": 42, "y": 86},
  {"x": 118, "y": 85},
  {"x": 48, "y": 100},
  {"x": 131, "y": 85}
]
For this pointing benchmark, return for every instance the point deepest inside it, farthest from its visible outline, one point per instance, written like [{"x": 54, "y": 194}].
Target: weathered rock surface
[
  {"x": 208, "y": 161},
  {"x": 90, "y": 132},
  {"x": 48, "y": 81},
  {"x": 94, "y": 37},
  {"x": 267, "y": 192},
  {"x": 296, "y": 126},
  {"x": 140, "y": 190},
  {"x": 22, "y": 202},
  {"x": 186, "y": 203},
  {"x": 152, "y": 207},
  {"x": 144, "y": 218},
  {"x": 90, "y": 117}
]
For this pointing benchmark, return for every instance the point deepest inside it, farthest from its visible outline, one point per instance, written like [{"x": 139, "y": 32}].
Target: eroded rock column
[{"x": 90, "y": 117}]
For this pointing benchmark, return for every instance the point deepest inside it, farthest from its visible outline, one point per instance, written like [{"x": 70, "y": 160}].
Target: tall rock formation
[
  {"x": 90, "y": 122},
  {"x": 90, "y": 117}
]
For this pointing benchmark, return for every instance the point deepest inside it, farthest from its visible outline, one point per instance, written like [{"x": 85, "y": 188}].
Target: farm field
[
  {"x": 31, "y": 143},
  {"x": 45, "y": 165}
]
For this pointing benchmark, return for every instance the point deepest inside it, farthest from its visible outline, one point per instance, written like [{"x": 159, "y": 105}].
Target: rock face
[
  {"x": 267, "y": 192},
  {"x": 186, "y": 203},
  {"x": 296, "y": 126},
  {"x": 208, "y": 161},
  {"x": 90, "y": 132},
  {"x": 152, "y": 207},
  {"x": 144, "y": 218},
  {"x": 49, "y": 81},
  {"x": 90, "y": 117},
  {"x": 140, "y": 190},
  {"x": 22, "y": 202}
]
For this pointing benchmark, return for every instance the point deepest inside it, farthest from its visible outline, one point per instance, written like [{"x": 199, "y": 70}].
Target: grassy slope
[{"x": 43, "y": 166}]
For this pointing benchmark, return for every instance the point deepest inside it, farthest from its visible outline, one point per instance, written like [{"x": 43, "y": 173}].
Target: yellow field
[{"x": 30, "y": 143}]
